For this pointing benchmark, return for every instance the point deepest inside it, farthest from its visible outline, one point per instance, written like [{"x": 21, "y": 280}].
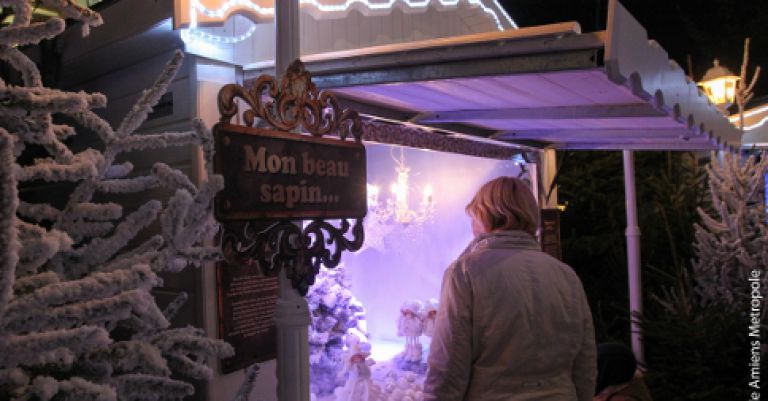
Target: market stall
[{"x": 490, "y": 98}]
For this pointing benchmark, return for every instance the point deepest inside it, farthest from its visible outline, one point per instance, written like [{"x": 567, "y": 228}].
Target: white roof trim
[{"x": 632, "y": 59}]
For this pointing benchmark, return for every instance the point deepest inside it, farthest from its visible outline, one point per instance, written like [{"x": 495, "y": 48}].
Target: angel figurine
[
  {"x": 428, "y": 317},
  {"x": 410, "y": 326},
  {"x": 357, "y": 367}
]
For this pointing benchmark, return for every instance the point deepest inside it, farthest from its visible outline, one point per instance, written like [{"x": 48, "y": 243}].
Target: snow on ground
[{"x": 389, "y": 383}]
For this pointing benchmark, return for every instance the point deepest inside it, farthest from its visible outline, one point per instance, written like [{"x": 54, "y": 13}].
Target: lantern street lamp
[{"x": 719, "y": 83}]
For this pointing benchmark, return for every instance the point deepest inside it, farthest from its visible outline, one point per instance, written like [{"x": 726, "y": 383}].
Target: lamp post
[
  {"x": 719, "y": 83},
  {"x": 723, "y": 88}
]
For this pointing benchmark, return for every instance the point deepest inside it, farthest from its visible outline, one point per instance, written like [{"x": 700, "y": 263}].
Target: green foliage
[
  {"x": 591, "y": 185},
  {"x": 669, "y": 189},
  {"x": 676, "y": 190},
  {"x": 693, "y": 352}
]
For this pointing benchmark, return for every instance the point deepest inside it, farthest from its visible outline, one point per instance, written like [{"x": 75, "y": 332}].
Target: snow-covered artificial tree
[
  {"x": 732, "y": 241},
  {"x": 336, "y": 315},
  {"x": 702, "y": 307},
  {"x": 77, "y": 319}
]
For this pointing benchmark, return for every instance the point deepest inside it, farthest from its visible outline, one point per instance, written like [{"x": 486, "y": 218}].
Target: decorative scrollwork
[
  {"x": 295, "y": 102},
  {"x": 293, "y": 105},
  {"x": 285, "y": 245}
]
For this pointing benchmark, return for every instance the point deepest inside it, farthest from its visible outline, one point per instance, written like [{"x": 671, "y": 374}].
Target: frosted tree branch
[
  {"x": 31, "y": 34},
  {"x": 22, "y": 11},
  {"x": 150, "y": 97},
  {"x": 733, "y": 241},
  {"x": 9, "y": 243},
  {"x": 174, "y": 306},
  {"x": 21, "y": 63},
  {"x": 72, "y": 276}
]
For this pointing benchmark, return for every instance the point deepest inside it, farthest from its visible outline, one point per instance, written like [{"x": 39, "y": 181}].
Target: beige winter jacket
[{"x": 513, "y": 324}]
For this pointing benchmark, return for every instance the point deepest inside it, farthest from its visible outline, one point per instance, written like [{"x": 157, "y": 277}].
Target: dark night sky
[{"x": 705, "y": 29}]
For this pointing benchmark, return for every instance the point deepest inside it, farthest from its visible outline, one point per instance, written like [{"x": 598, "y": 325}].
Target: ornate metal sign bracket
[{"x": 271, "y": 243}]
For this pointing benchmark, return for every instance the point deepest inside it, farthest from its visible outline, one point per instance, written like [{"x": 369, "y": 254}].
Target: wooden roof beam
[{"x": 632, "y": 110}]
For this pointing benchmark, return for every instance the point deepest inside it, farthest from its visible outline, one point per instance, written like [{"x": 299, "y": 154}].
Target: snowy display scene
[
  {"x": 340, "y": 348},
  {"x": 338, "y": 322},
  {"x": 373, "y": 316},
  {"x": 77, "y": 317}
]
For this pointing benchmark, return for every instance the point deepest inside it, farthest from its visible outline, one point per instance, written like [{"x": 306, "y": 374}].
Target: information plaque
[{"x": 246, "y": 305}]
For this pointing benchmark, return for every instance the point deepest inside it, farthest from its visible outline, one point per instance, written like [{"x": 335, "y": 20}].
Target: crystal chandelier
[{"x": 397, "y": 207}]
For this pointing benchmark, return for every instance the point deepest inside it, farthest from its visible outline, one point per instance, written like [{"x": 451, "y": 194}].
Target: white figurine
[
  {"x": 410, "y": 326},
  {"x": 358, "y": 365},
  {"x": 428, "y": 317}
]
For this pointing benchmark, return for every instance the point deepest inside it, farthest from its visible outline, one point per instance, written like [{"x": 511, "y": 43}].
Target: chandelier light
[{"x": 397, "y": 207}]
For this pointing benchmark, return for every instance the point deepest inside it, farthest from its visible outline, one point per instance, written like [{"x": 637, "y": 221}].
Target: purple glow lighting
[{"x": 400, "y": 262}]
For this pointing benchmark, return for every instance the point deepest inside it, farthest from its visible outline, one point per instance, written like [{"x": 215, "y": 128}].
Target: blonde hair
[{"x": 505, "y": 203}]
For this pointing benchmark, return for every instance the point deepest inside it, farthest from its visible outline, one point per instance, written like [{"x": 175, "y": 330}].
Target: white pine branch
[
  {"x": 22, "y": 11},
  {"x": 42, "y": 100},
  {"x": 150, "y": 97},
  {"x": 94, "y": 286},
  {"x": 17, "y": 348},
  {"x": 21, "y": 63},
  {"x": 71, "y": 10},
  {"x": 27, "y": 284},
  {"x": 155, "y": 141},
  {"x": 172, "y": 178},
  {"x": 9, "y": 244},
  {"x": 143, "y": 387},
  {"x": 115, "y": 309},
  {"x": 99, "y": 250},
  {"x": 31, "y": 34},
  {"x": 84, "y": 166},
  {"x": 128, "y": 185},
  {"x": 93, "y": 122},
  {"x": 173, "y": 308},
  {"x": 119, "y": 170},
  {"x": 136, "y": 357}
]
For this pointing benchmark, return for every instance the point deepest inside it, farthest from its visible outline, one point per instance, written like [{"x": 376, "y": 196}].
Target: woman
[{"x": 513, "y": 322}]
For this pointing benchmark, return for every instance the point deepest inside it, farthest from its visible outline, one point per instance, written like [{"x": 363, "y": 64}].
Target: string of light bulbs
[
  {"x": 735, "y": 118},
  {"x": 197, "y": 7}
]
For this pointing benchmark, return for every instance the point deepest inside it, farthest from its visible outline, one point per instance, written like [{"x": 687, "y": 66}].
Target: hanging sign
[
  {"x": 271, "y": 175},
  {"x": 309, "y": 164}
]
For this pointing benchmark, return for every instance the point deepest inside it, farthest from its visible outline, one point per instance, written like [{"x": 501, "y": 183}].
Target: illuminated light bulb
[{"x": 735, "y": 118}]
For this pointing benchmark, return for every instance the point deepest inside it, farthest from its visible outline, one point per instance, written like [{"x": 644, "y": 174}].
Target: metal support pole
[
  {"x": 633, "y": 256},
  {"x": 292, "y": 320},
  {"x": 292, "y": 312},
  {"x": 548, "y": 172},
  {"x": 286, "y": 34}
]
